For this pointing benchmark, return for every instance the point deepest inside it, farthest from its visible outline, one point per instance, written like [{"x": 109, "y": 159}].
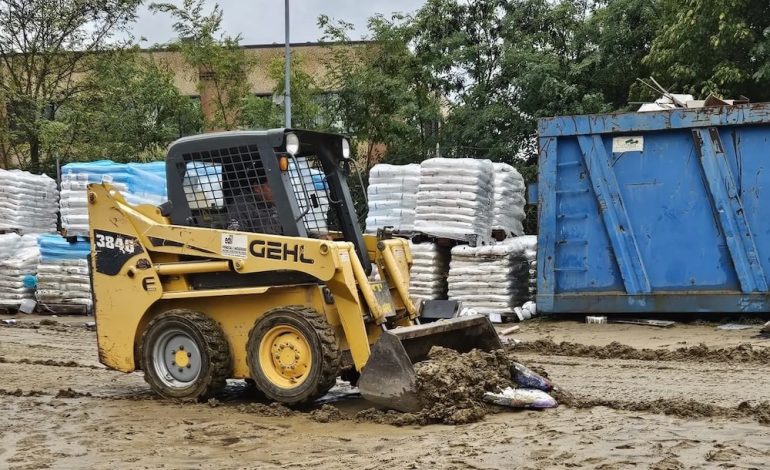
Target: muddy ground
[{"x": 679, "y": 405}]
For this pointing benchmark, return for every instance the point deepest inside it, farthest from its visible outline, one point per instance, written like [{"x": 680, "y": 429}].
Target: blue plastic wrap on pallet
[
  {"x": 55, "y": 247},
  {"x": 97, "y": 170}
]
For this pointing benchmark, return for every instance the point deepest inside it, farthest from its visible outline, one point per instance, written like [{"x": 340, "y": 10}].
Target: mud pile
[
  {"x": 451, "y": 387},
  {"x": 741, "y": 353},
  {"x": 689, "y": 409},
  {"x": 275, "y": 409},
  {"x": 326, "y": 414}
]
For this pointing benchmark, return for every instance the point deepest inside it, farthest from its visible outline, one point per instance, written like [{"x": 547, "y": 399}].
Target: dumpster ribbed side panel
[{"x": 655, "y": 212}]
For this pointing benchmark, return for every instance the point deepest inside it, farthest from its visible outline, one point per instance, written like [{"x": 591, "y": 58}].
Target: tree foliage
[
  {"x": 268, "y": 112},
  {"x": 215, "y": 57},
  {"x": 44, "y": 45},
  {"x": 133, "y": 111},
  {"x": 384, "y": 97},
  {"x": 714, "y": 46}
]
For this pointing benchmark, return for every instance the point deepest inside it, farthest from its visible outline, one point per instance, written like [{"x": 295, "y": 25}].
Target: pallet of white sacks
[{"x": 467, "y": 239}]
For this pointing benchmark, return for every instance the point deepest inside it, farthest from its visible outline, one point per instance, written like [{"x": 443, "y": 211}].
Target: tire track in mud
[
  {"x": 743, "y": 353},
  {"x": 49, "y": 362},
  {"x": 70, "y": 393},
  {"x": 544, "y": 352},
  {"x": 690, "y": 409}
]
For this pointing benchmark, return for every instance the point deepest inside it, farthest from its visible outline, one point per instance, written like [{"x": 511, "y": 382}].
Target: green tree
[
  {"x": 384, "y": 95},
  {"x": 266, "y": 112},
  {"x": 216, "y": 58},
  {"x": 714, "y": 46},
  {"x": 45, "y": 45},
  {"x": 133, "y": 111}
]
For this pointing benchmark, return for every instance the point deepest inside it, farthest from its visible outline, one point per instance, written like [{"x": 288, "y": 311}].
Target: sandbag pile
[
  {"x": 492, "y": 278},
  {"x": 28, "y": 203},
  {"x": 62, "y": 274},
  {"x": 139, "y": 183},
  {"x": 509, "y": 200},
  {"x": 430, "y": 265},
  {"x": 18, "y": 260},
  {"x": 455, "y": 198},
  {"x": 392, "y": 196}
]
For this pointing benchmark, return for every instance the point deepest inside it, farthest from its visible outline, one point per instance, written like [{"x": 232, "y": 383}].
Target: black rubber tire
[
  {"x": 324, "y": 368},
  {"x": 216, "y": 361}
]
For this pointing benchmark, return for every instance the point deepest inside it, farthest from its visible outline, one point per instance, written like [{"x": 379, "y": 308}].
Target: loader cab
[{"x": 278, "y": 182}]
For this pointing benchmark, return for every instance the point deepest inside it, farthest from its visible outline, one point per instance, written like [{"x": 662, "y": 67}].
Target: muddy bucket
[{"x": 388, "y": 379}]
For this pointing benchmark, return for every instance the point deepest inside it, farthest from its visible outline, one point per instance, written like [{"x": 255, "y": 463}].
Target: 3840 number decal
[{"x": 123, "y": 245}]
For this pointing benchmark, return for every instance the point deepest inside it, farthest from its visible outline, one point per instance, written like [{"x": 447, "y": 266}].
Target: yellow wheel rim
[{"x": 285, "y": 356}]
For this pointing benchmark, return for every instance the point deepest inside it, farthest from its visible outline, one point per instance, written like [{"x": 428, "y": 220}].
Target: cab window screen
[
  {"x": 312, "y": 192},
  {"x": 227, "y": 188}
]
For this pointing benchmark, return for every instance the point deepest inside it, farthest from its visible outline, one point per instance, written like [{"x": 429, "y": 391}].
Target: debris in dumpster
[
  {"x": 528, "y": 378},
  {"x": 521, "y": 398},
  {"x": 675, "y": 100}
]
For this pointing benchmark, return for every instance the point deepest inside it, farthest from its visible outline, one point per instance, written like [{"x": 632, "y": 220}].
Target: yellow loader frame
[{"x": 151, "y": 280}]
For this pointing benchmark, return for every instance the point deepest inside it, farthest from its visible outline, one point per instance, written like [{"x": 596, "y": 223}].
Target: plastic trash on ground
[
  {"x": 527, "y": 378},
  {"x": 526, "y": 398}
]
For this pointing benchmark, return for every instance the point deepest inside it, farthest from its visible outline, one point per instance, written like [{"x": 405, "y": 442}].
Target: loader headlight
[
  {"x": 292, "y": 143},
  {"x": 345, "y": 148}
]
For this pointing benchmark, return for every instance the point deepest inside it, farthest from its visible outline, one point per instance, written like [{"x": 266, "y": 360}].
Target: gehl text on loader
[{"x": 256, "y": 268}]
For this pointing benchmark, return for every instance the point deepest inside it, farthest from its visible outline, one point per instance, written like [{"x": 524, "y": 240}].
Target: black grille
[
  {"x": 313, "y": 196},
  {"x": 227, "y": 188}
]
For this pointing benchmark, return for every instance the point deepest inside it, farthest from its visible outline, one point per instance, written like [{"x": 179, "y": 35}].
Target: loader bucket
[{"x": 389, "y": 379}]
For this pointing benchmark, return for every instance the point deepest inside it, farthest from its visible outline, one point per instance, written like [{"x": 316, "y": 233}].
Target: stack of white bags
[
  {"x": 392, "y": 196},
  {"x": 28, "y": 203},
  {"x": 62, "y": 274},
  {"x": 139, "y": 183},
  {"x": 455, "y": 198},
  {"x": 494, "y": 278},
  {"x": 18, "y": 260},
  {"x": 509, "y": 200},
  {"x": 430, "y": 265}
]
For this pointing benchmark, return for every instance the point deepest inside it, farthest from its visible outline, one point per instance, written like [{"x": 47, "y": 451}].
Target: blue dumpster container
[{"x": 655, "y": 212}]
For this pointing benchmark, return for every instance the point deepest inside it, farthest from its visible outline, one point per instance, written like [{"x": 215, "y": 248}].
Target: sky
[{"x": 261, "y": 21}]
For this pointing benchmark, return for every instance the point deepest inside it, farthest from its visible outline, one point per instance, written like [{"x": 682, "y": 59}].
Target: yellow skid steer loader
[{"x": 256, "y": 268}]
